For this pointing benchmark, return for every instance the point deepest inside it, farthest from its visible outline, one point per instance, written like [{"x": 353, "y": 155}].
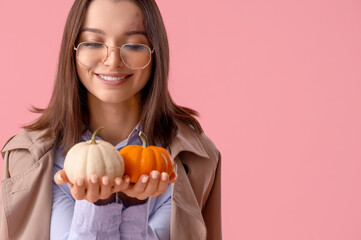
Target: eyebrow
[{"x": 95, "y": 30}]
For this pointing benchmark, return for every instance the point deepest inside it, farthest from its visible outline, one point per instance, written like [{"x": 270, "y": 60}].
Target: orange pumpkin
[{"x": 140, "y": 160}]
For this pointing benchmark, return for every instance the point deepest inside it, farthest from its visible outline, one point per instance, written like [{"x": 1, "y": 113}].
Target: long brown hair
[{"x": 66, "y": 116}]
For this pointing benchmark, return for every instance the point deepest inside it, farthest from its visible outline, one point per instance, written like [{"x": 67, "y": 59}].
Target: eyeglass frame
[{"x": 107, "y": 55}]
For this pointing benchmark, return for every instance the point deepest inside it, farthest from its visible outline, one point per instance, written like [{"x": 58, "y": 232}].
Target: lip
[
  {"x": 113, "y": 74},
  {"x": 114, "y": 83}
]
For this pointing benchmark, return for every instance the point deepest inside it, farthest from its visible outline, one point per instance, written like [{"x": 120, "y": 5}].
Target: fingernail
[
  {"x": 155, "y": 174},
  {"x": 145, "y": 179},
  {"x": 105, "y": 180},
  {"x": 118, "y": 181},
  {"x": 164, "y": 176},
  {"x": 94, "y": 179},
  {"x": 127, "y": 179},
  {"x": 60, "y": 177},
  {"x": 80, "y": 182}
]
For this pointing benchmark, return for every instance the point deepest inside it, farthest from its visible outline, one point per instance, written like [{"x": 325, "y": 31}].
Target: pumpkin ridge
[
  {"x": 83, "y": 163},
  {"x": 78, "y": 163},
  {"x": 108, "y": 169},
  {"x": 147, "y": 161},
  {"x": 168, "y": 159},
  {"x": 139, "y": 162},
  {"x": 161, "y": 153},
  {"x": 158, "y": 159},
  {"x": 129, "y": 161},
  {"x": 90, "y": 163}
]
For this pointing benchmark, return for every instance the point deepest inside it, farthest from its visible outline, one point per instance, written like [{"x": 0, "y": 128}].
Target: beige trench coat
[{"x": 26, "y": 183}]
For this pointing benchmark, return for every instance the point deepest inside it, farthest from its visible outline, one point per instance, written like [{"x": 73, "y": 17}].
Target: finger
[
  {"x": 92, "y": 193},
  {"x": 173, "y": 178},
  {"x": 120, "y": 184},
  {"x": 163, "y": 184},
  {"x": 105, "y": 187},
  {"x": 78, "y": 189},
  {"x": 152, "y": 186},
  {"x": 138, "y": 188},
  {"x": 126, "y": 178},
  {"x": 60, "y": 177}
]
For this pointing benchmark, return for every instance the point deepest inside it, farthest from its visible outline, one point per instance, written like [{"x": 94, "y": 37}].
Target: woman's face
[{"x": 113, "y": 23}]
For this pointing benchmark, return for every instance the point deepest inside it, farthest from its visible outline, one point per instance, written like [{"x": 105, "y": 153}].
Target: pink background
[{"x": 277, "y": 84}]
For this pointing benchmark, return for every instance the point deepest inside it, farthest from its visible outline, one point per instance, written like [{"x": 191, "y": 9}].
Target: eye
[
  {"x": 135, "y": 47},
  {"x": 92, "y": 45}
]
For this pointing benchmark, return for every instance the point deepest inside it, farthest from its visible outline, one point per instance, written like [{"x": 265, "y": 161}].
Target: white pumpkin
[{"x": 93, "y": 157}]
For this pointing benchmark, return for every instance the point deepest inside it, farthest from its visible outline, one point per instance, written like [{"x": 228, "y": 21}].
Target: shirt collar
[{"x": 133, "y": 134}]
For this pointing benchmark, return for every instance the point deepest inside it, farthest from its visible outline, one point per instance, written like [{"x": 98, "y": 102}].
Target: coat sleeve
[
  {"x": 212, "y": 209},
  {"x": 4, "y": 175}
]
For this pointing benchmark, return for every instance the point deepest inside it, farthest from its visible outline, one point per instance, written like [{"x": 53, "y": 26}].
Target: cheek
[
  {"x": 142, "y": 77},
  {"x": 145, "y": 77},
  {"x": 83, "y": 72},
  {"x": 147, "y": 73}
]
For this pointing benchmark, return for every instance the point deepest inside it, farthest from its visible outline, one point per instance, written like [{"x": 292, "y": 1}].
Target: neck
[{"x": 118, "y": 119}]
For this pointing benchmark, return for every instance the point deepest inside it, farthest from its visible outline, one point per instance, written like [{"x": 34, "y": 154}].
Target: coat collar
[
  {"x": 187, "y": 140},
  {"x": 30, "y": 140}
]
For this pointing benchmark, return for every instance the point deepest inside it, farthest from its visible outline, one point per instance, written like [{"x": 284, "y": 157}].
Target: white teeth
[{"x": 108, "y": 78}]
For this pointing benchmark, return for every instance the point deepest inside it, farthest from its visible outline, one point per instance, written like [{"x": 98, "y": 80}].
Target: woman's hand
[
  {"x": 150, "y": 186},
  {"x": 96, "y": 188}
]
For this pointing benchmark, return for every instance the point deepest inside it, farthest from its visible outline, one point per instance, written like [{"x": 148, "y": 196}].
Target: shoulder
[
  {"x": 23, "y": 139},
  {"x": 28, "y": 140},
  {"x": 23, "y": 150}
]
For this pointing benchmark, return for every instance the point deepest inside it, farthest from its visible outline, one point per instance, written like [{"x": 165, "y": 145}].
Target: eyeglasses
[{"x": 134, "y": 56}]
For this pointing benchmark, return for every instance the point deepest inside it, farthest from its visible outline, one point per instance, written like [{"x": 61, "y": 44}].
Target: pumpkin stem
[
  {"x": 144, "y": 139},
  {"x": 94, "y": 134}
]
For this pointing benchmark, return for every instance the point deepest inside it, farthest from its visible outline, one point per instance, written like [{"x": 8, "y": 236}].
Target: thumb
[{"x": 60, "y": 177}]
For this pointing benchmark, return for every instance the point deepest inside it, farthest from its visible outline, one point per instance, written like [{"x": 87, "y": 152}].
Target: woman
[{"x": 113, "y": 72}]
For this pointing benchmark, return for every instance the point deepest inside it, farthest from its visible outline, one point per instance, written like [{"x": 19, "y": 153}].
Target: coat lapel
[
  {"x": 186, "y": 140},
  {"x": 186, "y": 211}
]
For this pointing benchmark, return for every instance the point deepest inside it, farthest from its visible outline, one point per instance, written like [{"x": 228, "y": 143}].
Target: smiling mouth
[{"x": 110, "y": 78}]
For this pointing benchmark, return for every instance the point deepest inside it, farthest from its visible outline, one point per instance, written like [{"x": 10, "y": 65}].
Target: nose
[{"x": 114, "y": 58}]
